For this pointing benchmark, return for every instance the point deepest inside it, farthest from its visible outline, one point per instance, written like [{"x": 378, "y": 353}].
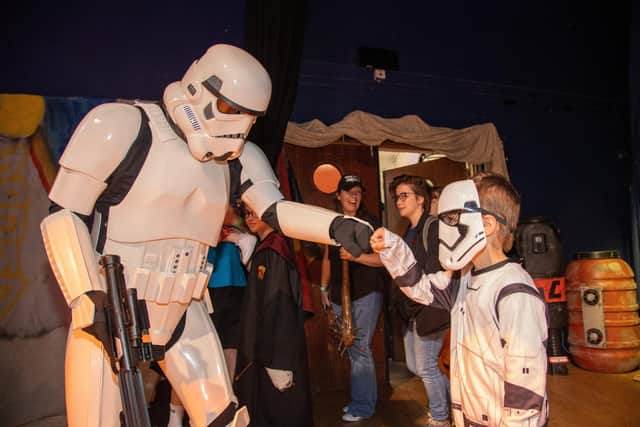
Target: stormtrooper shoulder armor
[
  {"x": 96, "y": 148},
  {"x": 259, "y": 185}
]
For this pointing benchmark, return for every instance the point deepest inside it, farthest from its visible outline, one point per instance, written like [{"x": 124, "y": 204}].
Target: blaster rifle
[{"x": 129, "y": 331}]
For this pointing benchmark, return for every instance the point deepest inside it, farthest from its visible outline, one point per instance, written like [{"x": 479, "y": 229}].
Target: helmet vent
[{"x": 192, "y": 118}]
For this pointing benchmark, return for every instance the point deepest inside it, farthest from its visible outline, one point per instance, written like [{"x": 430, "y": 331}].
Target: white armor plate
[{"x": 173, "y": 196}]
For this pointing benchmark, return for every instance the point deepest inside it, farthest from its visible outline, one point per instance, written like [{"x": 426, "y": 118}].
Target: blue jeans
[
  {"x": 364, "y": 389},
  {"x": 422, "y": 360}
]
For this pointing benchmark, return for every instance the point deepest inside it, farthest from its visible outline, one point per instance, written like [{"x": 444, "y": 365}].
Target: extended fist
[
  {"x": 352, "y": 234},
  {"x": 377, "y": 240}
]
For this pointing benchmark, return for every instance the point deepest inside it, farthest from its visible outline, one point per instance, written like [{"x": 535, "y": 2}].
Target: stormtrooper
[{"x": 151, "y": 183}]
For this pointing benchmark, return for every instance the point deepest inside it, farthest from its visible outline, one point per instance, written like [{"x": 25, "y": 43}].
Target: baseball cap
[{"x": 347, "y": 182}]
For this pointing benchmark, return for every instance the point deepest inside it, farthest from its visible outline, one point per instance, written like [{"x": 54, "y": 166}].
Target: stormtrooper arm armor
[
  {"x": 523, "y": 329},
  {"x": 98, "y": 145},
  {"x": 402, "y": 265},
  {"x": 259, "y": 188}
]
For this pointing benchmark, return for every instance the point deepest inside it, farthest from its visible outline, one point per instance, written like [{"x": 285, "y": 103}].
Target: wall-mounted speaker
[{"x": 373, "y": 57}]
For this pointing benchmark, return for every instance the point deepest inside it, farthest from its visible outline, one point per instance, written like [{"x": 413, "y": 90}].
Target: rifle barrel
[{"x": 124, "y": 319}]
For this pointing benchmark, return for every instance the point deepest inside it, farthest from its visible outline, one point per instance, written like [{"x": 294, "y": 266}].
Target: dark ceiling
[{"x": 134, "y": 49}]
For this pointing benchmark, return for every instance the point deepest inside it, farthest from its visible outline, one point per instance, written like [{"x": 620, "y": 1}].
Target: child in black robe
[{"x": 272, "y": 377}]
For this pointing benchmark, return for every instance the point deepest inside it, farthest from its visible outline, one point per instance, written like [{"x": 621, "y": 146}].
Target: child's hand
[
  {"x": 346, "y": 255},
  {"x": 244, "y": 241},
  {"x": 230, "y": 234},
  {"x": 377, "y": 240},
  {"x": 224, "y": 232},
  {"x": 280, "y": 378}
]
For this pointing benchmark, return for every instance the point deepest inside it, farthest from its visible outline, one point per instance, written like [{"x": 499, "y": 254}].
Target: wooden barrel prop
[{"x": 604, "y": 327}]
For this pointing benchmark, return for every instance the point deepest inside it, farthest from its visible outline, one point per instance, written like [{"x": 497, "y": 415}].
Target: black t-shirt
[{"x": 362, "y": 279}]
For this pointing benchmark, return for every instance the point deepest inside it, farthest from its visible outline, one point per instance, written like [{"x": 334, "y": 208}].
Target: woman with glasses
[
  {"x": 366, "y": 279},
  {"x": 424, "y": 326}
]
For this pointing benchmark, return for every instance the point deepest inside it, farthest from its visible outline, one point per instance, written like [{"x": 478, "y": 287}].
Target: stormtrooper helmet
[
  {"x": 218, "y": 100},
  {"x": 461, "y": 231}
]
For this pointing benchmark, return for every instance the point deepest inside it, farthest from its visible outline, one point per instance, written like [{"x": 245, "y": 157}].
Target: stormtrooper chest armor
[{"x": 174, "y": 196}]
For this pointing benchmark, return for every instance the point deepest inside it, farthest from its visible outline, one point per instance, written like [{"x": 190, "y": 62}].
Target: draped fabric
[
  {"x": 33, "y": 313},
  {"x": 274, "y": 34},
  {"x": 478, "y": 144},
  {"x": 31, "y": 303}
]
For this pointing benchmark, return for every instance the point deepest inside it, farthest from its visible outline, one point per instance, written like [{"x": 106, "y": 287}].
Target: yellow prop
[{"x": 20, "y": 115}]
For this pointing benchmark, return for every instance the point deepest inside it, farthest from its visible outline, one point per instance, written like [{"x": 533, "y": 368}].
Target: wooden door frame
[{"x": 329, "y": 371}]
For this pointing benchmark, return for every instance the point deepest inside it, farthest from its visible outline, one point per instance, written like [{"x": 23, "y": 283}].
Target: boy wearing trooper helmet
[{"x": 498, "y": 319}]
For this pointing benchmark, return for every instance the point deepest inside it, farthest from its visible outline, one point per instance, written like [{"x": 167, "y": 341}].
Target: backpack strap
[
  {"x": 425, "y": 232},
  {"x": 235, "y": 184}
]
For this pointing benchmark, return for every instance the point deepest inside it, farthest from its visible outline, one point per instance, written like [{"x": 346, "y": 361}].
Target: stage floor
[{"x": 579, "y": 399}]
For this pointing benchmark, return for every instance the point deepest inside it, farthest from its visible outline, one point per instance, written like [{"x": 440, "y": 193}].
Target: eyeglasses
[
  {"x": 452, "y": 218},
  {"x": 401, "y": 196}
]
